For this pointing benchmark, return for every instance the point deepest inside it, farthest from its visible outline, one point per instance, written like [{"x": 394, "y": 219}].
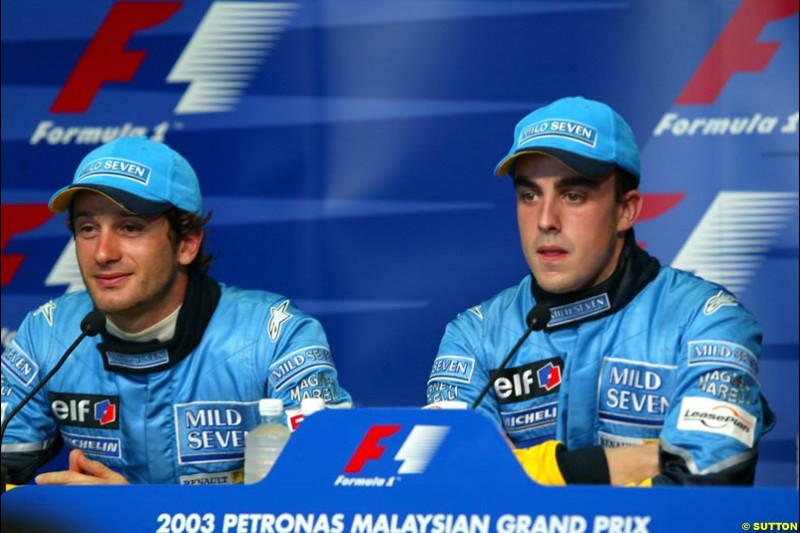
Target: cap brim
[
  {"x": 577, "y": 163},
  {"x": 132, "y": 204}
]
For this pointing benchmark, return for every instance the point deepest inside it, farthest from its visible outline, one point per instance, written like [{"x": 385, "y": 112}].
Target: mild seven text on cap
[
  {"x": 116, "y": 167},
  {"x": 561, "y": 128}
]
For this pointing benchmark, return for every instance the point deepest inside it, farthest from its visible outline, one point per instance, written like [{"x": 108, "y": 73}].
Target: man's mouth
[
  {"x": 110, "y": 280},
  {"x": 550, "y": 253}
]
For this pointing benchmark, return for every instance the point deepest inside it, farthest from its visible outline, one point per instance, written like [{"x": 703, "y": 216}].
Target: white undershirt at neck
[{"x": 163, "y": 330}]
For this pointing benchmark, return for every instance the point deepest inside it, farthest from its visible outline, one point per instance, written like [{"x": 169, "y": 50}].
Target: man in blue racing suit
[
  {"x": 169, "y": 389},
  {"x": 643, "y": 374}
]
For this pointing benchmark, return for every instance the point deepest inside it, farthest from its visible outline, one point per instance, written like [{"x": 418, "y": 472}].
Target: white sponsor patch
[{"x": 722, "y": 418}]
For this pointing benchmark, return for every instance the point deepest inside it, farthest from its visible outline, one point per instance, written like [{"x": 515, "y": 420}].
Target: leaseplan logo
[{"x": 413, "y": 455}]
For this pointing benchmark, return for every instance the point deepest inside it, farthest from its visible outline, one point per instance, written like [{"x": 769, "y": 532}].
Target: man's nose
[
  {"x": 549, "y": 214},
  {"x": 107, "y": 247}
]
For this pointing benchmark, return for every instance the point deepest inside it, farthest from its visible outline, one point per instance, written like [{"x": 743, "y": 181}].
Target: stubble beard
[{"x": 140, "y": 305}]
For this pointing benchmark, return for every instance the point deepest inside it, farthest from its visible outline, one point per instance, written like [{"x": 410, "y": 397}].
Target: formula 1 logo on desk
[{"x": 414, "y": 455}]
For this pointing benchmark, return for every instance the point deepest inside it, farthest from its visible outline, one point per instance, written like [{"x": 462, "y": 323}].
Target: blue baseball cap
[
  {"x": 587, "y": 136},
  {"x": 143, "y": 177}
]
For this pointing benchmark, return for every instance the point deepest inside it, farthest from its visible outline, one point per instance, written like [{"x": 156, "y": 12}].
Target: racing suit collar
[
  {"x": 202, "y": 297},
  {"x": 636, "y": 268}
]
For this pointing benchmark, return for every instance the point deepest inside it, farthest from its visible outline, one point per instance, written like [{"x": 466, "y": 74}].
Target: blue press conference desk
[{"x": 397, "y": 470}]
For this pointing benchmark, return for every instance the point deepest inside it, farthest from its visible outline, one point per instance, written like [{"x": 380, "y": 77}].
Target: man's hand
[
  {"x": 632, "y": 464},
  {"x": 82, "y": 471}
]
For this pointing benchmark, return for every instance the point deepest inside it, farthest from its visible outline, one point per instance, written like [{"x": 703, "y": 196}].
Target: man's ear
[
  {"x": 629, "y": 210},
  {"x": 189, "y": 246}
]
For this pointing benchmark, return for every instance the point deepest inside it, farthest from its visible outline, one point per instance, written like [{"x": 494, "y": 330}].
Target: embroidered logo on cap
[
  {"x": 115, "y": 167},
  {"x": 568, "y": 129}
]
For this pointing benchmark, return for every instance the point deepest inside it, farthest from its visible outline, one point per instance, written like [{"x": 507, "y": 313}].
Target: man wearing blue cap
[
  {"x": 169, "y": 389},
  {"x": 639, "y": 373}
]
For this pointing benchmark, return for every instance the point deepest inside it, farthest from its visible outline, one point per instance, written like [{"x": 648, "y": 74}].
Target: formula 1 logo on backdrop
[
  {"x": 737, "y": 50},
  {"x": 220, "y": 60},
  {"x": 739, "y": 228},
  {"x": 17, "y": 219},
  {"x": 414, "y": 455}
]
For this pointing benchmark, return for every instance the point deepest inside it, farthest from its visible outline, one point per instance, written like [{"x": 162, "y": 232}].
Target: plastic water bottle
[{"x": 265, "y": 442}]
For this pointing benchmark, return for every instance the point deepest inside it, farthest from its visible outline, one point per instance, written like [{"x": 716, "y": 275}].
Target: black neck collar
[
  {"x": 635, "y": 269},
  {"x": 119, "y": 355}
]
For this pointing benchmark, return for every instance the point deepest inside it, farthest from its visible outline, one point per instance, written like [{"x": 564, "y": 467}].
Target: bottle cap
[
  {"x": 309, "y": 406},
  {"x": 270, "y": 407}
]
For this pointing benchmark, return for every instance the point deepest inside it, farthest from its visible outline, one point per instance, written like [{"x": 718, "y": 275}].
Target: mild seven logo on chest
[
  {"x": 635, "y": 392},
  {"x": 213, "y": 431}
]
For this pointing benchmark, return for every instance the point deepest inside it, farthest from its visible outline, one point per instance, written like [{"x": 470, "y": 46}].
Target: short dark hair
[{"x": 181, "y": 223}]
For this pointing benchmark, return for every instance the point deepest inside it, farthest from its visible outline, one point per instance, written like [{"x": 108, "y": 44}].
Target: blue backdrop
[{"x": 346, "y": 149}]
